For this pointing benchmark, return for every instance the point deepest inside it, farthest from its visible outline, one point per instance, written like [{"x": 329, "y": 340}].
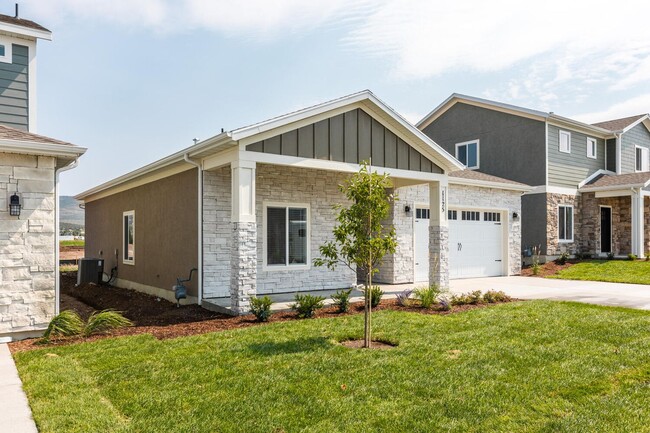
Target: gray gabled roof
[
  {"x": 620, "y": 124},
  {"x": 606, "y": 182}
]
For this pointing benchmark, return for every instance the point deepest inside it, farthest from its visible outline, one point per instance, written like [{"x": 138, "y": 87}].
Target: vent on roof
[{"x": 16, "y": 11}]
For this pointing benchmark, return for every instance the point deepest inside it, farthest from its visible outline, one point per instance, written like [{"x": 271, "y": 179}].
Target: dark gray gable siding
[
  {"x": 637, "y": 136},
  {"x": 350, "y": 137},
  {"x": 611, "y": 154},
  {"x": 511, "y": 146},
  {"x": 14, "y": 97},
  {"x": 569, "y": 169}
]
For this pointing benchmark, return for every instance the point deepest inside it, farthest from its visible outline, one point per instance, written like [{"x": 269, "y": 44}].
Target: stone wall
[
  {"x": 589, "y": 239},
  {"x": 27, "y": 278},
  {"x": 553, "y": 245}
]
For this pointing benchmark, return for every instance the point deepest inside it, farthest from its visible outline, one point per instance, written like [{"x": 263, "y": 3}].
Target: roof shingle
[
  {"x": 617, "y": 181},
  {"x": 9, "y": 133},
  {"x": 477, "y": 175},
  {"x": 618, "y": 124}
]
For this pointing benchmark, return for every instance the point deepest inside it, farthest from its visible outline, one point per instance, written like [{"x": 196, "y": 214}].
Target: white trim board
[{"x": 546, "y": 189}]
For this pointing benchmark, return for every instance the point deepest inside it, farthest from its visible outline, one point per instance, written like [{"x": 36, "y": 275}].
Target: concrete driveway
[{"x": 591, "y": 292}]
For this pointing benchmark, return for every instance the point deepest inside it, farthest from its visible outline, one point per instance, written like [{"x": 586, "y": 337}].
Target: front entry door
[{"x": 605, "y": 229}]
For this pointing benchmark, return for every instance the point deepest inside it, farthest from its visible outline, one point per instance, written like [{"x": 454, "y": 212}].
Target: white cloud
[{"x": 633, "y": 106}]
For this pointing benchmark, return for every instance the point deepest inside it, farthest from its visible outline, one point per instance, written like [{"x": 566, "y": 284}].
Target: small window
[
  {"x": 287, "y": 236},
  {"x": 2, "y": 50},
  {"x": 592, "y": 148},
  {"x": 565, "y": 223},
  {"x": 128, "y": 237},
  {"x": 642, "y": 161},
  {"x": 565, "y": 142},
  {"x": 421, "y": 214},
  {"x": 468, "y": 153},
  {"x": 452, "y": 215},
  {"x": 492, "y": 217},
  {"x": 467, "y": 215},
  {"x": 5, "y": 50}
]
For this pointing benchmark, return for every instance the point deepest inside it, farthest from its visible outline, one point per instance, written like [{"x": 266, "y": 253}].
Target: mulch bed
[
  {"x": 547, "y": 269},
  {"x": 163, "y": 320}
]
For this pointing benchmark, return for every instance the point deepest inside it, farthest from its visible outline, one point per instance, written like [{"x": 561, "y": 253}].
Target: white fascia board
[
  {"x": 25, "y": 31},
  {"x": 565, "y": 122},
  {"x": 488, "y": 184},
  {"x": 616, "y": 187},
  {"x": 42, "y": 149},
  {"x": 547, "y": 189},
  {"x": 614, "y": 193},
  {"x": 480, "y": 102},
  {"x": 595, "y": 175},
  {"x": 645, "y": 120}
]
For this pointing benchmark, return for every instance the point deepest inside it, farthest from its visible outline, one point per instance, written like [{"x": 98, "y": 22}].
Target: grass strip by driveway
[
  {"x": 613, "y": 271},
  {"x": 536, "y": 366}
]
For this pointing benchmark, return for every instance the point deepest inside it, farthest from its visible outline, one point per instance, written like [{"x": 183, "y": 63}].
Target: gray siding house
[
  {"x": 29, "y": 171},
  {"x": 262, "y": 198},
  {"x": 590, "y": 182}
]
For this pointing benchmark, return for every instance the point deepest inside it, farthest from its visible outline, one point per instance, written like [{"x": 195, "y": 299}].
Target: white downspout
[
  {"x": 200, "y": 226},
  {"x": 57, "y": 275}
]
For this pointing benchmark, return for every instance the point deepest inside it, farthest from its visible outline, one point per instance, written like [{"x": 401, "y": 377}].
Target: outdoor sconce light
[
  {"x": 407, "y": 208},
  {"x": 14, "y": 205},
  {"x": 515, "y": 216}
]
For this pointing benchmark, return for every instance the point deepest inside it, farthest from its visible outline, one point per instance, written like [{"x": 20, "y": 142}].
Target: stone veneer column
[
  {"x": 243, "y": 252},
  {"x": 438, "y": 235}
]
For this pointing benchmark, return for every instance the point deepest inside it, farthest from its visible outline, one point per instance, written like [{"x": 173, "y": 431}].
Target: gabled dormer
[
  {"x": 18, "y": 38},
  {"x": 629, "y": 150}
]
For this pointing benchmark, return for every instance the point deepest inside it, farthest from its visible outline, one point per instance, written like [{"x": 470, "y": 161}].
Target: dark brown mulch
[
  {"x": 376, "y": 344},
  {"x": 163, "y": 320},
  {"x": 547, "y": 269}
]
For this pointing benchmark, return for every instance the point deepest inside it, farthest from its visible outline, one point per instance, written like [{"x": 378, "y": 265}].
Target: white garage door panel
[{"x": 475, "y": 248}]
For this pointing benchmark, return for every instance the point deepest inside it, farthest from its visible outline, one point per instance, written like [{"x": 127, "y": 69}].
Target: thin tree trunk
[{"x": 366, "y": 314}]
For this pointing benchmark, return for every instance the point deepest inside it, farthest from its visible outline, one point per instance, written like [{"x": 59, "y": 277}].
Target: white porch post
[
  {"x": 438, "y": 235},
  {"x": 638, "y": 232},
  {"x": 243, "y": 254}
]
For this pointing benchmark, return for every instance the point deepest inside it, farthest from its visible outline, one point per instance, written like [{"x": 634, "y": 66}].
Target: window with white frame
[
  {"x": 565, "y": 223},
  {"x": 287, "y": 235},
  {"x": 592, "y": 148},
  {"x": 468, "y": 153},
  {"x": 128, "y": 237},
  {"x": 642, "y": 159},
  {"x": 565, "y": 142},
  {"x": 5, "y": 50}
]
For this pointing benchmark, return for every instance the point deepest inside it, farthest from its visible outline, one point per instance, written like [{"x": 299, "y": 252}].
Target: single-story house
[{"x": 250, "y": 207}]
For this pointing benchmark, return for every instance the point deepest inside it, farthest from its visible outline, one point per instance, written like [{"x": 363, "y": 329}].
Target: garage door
[{"x": 475, "y": 244}]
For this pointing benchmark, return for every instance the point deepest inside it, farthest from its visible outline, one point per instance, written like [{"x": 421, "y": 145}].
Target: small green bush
[
  {"x": 493, "y": 296},
  {"x": 610, "y": 256},
  {"x": 375, "y": 296},
  {"x": 104, "y": 321},
  {"x": 404, "y": 297},
  {"x": 561, "y": 260},
  {"x": 428, "y": 295},
  {"x": 261, "y": 308},
  {"x": 64, "y": 324},
  {"x": 445, "y": 304},
  {"x": 342, "y": 300},
  {"x": 632, "y": 256},
  {"x": 306, "y": 305},
  {"x": 476, "y": 297}
]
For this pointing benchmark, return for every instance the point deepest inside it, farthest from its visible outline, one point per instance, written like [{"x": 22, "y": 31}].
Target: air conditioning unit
[{"x": 90, "y": 271}]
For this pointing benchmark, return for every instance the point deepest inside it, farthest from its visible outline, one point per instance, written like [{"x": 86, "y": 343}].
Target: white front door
[
  {"x": 421, "y": 234},
  {"x": 475, "y": 244}
]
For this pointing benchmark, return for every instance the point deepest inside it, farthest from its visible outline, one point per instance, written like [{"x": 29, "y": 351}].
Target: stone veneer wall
[
  {"x": 646, "y": 224},
  {"x": 589, "y": 239},
  {"x": 553, "y": 245},
  {"x": 27, "y": 278}
]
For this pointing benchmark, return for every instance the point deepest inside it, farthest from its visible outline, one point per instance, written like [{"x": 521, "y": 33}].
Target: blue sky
[{"x": 135, "y": 80}]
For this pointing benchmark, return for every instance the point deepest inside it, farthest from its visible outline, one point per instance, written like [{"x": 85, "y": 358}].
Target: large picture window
[
  {"x": 128, "y": 237},
  {"x": 287, "y": 235},
  {"x": 468, "y": 153},
  {"x": 565, "y": 223}
]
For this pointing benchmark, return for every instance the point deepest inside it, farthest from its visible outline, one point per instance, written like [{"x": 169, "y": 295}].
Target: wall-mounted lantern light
[
  {"x": 14, "y": 205},
  {"x": 515, "y": 216},
  {"x": 407, "y": 208}
]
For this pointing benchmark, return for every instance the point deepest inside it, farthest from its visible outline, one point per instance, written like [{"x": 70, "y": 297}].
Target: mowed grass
[
  {"x": 536, "y": 366},
  {"x": 614, "y": 271},
  {"x": 73, "y": 243}
]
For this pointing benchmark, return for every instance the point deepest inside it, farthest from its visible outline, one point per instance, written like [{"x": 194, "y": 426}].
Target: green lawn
[
  {"x": 73, "y": 243},
  {"x": 614, "y": 271},
  {"x": 534, "y": 366}
]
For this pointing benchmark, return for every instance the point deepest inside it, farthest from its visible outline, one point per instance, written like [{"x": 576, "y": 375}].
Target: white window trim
[
  {"x": 8, "y": 57},
  {"x": 573, "y": 224},
  {"x": 478, "y": 152},
  {"x": 559, "y": 141},
  {"x": 645, "y": 151},
  {"x": 287, "y": 267},
  {"x": 125, "y": 214},
  {"x": 589, "y": 141}
]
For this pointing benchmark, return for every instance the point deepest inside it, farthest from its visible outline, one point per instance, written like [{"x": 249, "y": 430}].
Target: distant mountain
[{"x": 70, "y": 212}]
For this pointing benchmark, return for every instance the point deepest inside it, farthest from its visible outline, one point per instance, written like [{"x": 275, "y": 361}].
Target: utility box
[{"x": 90, "y": 271}]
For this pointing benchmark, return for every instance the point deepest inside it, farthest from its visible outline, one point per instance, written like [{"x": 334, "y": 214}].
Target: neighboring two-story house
[
  {"x": 591, "y": 182},
  {"x": 29, "y": 169}
]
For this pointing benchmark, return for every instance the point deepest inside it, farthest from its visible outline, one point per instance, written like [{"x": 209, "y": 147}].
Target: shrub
[
  {"x": 493, "y": 296},
  {"x": 561, "y": 260},
  {"x": 261, "y": 308},
  {"x": 445, "y": 304},
  {"x": 104, "y": 321},
  {"x": 460, "y": 299},
  {"x": 610, "y": 256},
  {"x": 536, "y": 266},
  {"x": 375, "y": 296},
  {"x": 632, "y": 256},
  {"x": 342, "y": 300},
  {"x": 403, "y": 298},
  {"x": 64, "y": 324},
  {"x": 476, "y": 297},
  {"x": 306, "y": 305},
  {"x": 428, "y": 295}
]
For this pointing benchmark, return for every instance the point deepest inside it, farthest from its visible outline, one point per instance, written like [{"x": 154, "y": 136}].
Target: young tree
[{"x": 360, "y": 239}]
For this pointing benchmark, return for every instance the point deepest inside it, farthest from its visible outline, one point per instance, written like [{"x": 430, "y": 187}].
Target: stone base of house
[{"x": 166, "y": 294}]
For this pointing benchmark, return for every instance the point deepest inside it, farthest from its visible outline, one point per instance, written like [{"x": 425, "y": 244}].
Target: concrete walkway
[
  {"x": 15, "y": 414},
  {"x": 591, "y": 292}
]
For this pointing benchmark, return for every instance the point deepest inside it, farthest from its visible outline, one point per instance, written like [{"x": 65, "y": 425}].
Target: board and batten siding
[
  {"x": 637, "y": 136},
  {"x": 350, "y": 137},
  {"x": 569, "y": 169},
  {"x": 14, "y": 97}
]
